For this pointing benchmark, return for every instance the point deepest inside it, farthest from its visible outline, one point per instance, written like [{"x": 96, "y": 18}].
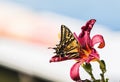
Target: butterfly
[{"x": 68, "y": 45}]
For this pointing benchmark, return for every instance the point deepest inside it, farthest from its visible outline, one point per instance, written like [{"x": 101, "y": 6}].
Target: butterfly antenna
[{"x": 52, "y": 48}]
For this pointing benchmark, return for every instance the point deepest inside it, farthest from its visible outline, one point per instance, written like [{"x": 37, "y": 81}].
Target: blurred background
[{"x": 29, "y": 27}]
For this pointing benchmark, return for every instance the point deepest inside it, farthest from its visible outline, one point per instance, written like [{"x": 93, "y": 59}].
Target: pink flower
[{"x": 85, "y": 49}]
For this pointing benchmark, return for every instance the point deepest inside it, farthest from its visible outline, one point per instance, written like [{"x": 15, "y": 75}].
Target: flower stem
[
  {"x": 92, "y": 77},
  {"x": 103, "y": 70},
  {"x": 88, "y": 68}
]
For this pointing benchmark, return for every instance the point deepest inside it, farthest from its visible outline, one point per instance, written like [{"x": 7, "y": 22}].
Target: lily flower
[
  {"x": 85, "y": 51},
  {"x": 88, "y": 52}
]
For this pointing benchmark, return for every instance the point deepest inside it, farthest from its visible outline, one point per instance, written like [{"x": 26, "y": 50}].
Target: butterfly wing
[{"x": 68, "y": 45}]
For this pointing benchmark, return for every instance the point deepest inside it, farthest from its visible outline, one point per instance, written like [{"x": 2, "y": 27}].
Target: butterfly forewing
[{"x": 68, "y": 44}]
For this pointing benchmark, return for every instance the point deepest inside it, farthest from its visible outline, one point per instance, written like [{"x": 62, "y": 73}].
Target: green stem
[
  {"x": 103, "y": 70},
  {"x": 102, "y": 77},
  {"x": 92, "y": 77},
  {"x": 88, "y": 69}
]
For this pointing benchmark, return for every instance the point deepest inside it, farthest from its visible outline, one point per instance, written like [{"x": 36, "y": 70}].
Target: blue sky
[{"x": 106, "y": 12}]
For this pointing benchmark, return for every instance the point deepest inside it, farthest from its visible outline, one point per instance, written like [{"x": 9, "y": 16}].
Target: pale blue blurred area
[{"x": 106, "y": 12}]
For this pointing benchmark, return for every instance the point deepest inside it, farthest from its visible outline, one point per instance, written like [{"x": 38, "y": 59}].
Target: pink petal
[
  {"x": 98, "y": 39},
  {"x": 90, "y": 23},
  {"x": 93, "y": 56},
  {"x": 58, "y": 59},
  {"x": 88, "y": 26},
  {"x": 74, "y": 72}
]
